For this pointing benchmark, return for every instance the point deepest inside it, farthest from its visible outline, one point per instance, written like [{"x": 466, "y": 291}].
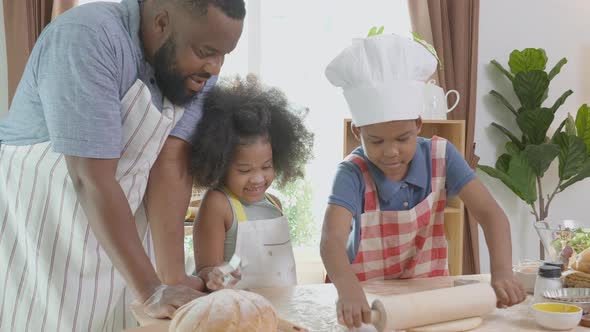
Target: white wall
[
  {"x": 3, "y": 67},
  {"x": 561, "y": 28}
]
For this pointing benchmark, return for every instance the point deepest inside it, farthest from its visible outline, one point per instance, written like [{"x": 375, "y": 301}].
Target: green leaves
[
  {"x": 504, "y": 102},
  {"x": 570, "y": 125},
  {"x": 583, "y": 173},
  {"x": 374, "y": 31},
  {"x": 531, "y": 88},
  {"x": 507, "y": 132},
  {"x": 539, "y": 157},
  {"x": 530, "y": 153},
  {"x": 518, "y": 176},
  {"x": 557, "y": 68},
  {"x": 572, "y": 154},
  {"x": 583, "y": 125},
  {"x": 518, "y": 170},
  {"x": 429, "y": 47},
  {"x": 502, "y": 70},
  {"x": 503, "y": 163},
  {"x": 535, "y": 123},
  {"x": 561, "y": 100},
  {"x": 529, "y": 59}
]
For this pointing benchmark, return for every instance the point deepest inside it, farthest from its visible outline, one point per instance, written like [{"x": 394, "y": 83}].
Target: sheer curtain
[{"x": 288, "y": 44}]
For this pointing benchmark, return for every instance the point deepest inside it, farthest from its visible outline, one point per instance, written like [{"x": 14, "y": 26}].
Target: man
[{"x": 93, "y": 150}]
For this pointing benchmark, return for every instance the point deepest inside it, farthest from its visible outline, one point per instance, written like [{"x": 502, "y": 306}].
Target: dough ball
[{"x": 226, "y": 310}]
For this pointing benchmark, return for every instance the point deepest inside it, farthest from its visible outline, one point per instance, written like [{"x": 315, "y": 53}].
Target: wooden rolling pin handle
[
  {"x": 378, "y": 315},
  {"x": 287, "y": 326}
]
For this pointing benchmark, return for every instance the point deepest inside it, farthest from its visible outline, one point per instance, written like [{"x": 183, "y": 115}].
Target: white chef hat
[{"x": 382, "y": 78}]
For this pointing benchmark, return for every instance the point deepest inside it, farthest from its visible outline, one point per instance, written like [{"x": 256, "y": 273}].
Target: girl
[{"x": 246, "y": 139}]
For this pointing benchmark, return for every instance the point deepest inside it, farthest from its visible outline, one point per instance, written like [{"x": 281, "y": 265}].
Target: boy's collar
[{"x": 418, "y": 175}]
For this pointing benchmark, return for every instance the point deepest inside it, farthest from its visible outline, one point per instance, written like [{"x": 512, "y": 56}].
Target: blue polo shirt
[
  {"x": 79, "y": 70},
  {"x": 348, "y": 188}
]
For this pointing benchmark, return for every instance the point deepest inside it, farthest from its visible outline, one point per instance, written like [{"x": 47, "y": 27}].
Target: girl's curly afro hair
[{"x": 237, "y": 111}]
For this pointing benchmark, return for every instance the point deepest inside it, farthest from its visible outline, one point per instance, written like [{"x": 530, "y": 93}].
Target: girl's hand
[
  {"x": 509, "y": 291},
  {"x": 217, "y": 279},
  {"x": 352, "y": 308}
]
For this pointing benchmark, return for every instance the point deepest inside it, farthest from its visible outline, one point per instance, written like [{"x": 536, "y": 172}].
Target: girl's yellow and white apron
[
  {"x": 404, "y": 244},
  {"x": 55, "y": 275},
  {"x": 265, "y": 249}
]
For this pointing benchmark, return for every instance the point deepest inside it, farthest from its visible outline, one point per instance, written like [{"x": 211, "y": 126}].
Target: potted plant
[{"x": 530, "y": 152}]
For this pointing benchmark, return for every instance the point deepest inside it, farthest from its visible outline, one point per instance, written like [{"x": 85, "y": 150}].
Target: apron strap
[
  {"x": 371, "y": 197},
  {"x": 273, "y": 202},
  {"x": 439, "y": 168},
  {"x": 239, "y": 208},
  {"x": 236, "y": 204}
]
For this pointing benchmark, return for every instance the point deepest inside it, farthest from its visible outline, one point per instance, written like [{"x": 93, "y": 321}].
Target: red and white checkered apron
[{"x": 404, "y": 244}]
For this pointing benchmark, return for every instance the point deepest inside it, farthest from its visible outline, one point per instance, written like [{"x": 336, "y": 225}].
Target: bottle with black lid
[{"x": 549, "y": 277}]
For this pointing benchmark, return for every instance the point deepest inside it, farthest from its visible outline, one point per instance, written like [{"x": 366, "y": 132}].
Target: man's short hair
[{"x": 235, "y": 9}]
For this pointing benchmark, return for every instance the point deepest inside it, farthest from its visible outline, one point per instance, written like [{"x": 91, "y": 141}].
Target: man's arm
[
  {"x": 168, "y": 195},
  {"x": 112, "y": 221}
]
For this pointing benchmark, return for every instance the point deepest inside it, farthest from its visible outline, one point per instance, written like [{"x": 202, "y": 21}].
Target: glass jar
[{"x": 549, "y": 277}]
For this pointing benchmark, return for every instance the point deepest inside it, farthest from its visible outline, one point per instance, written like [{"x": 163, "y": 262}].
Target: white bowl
[{"x": 557, "y": 316}]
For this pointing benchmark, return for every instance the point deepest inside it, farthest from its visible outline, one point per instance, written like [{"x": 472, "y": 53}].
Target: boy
[{"x": 385, "y": 218}]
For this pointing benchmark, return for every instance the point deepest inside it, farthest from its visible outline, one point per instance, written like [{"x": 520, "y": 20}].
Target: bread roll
[
  {"x": 226, "y": 310},
  {"x": 576, "y": 279},
  {"x": 582, "y": 262}
]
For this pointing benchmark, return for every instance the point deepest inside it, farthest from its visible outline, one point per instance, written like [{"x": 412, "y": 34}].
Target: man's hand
[
  {"x": 167, "y": 298},
  {"x": 194, "y": 282}
]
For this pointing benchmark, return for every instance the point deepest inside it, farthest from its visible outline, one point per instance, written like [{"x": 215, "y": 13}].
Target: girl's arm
[
  {"x": 352, "y": 307},
  {"x": 496, "y": 229},
  {"x": 214, "y": 218}
]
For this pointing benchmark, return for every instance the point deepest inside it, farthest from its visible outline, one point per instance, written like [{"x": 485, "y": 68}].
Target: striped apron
[
  {"x": 55, "y": 275},
  {"x": 408, "y": 243}
]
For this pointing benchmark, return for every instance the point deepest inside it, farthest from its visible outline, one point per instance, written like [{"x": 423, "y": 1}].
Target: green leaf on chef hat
[
  {"x": 375, "y": 31},
  {"x": 429, "y": 47}
]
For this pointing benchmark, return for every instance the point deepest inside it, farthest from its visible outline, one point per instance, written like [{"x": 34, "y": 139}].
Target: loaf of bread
[
  {"x": 226, "y": 310},
  {"x": 582, "y": 262},
  {"x": 576, "y": 279}
]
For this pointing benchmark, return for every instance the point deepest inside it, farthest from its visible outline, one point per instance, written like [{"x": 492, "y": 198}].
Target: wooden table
[{"x": 313, "y": 306}]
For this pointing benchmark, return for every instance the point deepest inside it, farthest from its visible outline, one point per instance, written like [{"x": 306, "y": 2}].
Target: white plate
[{"x": 571, "y": 295}]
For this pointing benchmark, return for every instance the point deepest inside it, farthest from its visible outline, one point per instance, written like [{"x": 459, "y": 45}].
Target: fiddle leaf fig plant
[{"x": 530, "y": 151}]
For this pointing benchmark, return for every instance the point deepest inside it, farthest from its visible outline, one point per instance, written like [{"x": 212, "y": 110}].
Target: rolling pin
[{"x": 400, "y": 312}]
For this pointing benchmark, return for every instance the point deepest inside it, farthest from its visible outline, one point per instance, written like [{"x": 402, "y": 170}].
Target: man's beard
[{"x": 169, "y": 80}]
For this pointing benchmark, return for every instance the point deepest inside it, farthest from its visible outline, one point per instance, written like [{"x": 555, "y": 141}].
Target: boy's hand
[
  {"x": 352, "y": 308},
  {"x": 509, "y": 291}
]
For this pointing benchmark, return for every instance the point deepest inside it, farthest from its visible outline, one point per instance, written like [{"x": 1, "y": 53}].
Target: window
[{"x": 288, "y": 45}]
